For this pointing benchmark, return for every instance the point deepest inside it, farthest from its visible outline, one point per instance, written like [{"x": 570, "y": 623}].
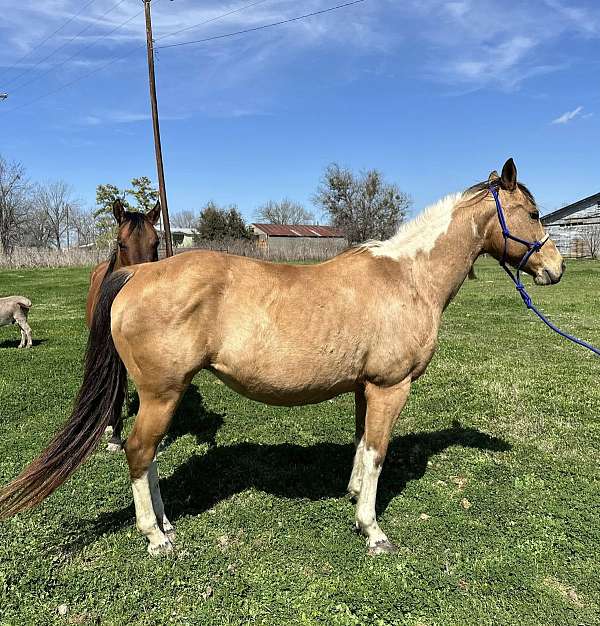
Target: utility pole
[{"x": 157, "y": 147}]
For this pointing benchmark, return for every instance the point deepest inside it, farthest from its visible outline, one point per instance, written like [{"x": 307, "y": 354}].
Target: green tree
[
  {"x": 144, "y": 198},
  {"x": 144, "y": 193},
  {"x": 106, "y": 227},
  {"x": 105, "y": 197},
  {"x": 236, "y": 226},
  {"x": 364, "y": 206},
  {"x": 218, "y": 223}
]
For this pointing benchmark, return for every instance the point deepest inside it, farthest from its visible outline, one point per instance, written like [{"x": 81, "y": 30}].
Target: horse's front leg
[
  {"x": 384, "y": 404},
  {"x": 360, "y": 408}
]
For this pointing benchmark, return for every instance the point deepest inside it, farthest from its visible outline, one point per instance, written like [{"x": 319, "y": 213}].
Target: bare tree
[
  {"x": 284, "y": 212},
  {"x": 364, "y": 206},
  {"x": 15, "y": 198},
  {"x": 36, "y": 233},
  {"x": 56, "y": 200},
  {"x": 591, "y": 237},
  {"x": 184, "y": 219},
  {"x": 83, "y": 224}
]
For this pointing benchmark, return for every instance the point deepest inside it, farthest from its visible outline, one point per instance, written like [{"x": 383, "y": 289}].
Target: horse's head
[
  {"x": 523, "y": 221},
  {"x": 137, "y": 238}
]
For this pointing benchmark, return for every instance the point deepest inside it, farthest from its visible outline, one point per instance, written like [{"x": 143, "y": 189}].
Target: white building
[
  {"x": 574, "y": 227},
  {"x": 181, "y": 237}
]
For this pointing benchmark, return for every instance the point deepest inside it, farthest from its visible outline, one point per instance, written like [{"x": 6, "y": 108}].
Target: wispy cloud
[
  {"x": 123, "y": 117},
  {"x": 463, "y": 44},
  {"x": 497, "y": 44},
  {"x": 568, "y": 116}
]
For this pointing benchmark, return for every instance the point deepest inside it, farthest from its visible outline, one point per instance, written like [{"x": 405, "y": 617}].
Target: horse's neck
[{"x": 451, "y": 258}]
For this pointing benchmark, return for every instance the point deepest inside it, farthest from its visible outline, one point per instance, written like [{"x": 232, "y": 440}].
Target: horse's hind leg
[
  {"x": 360, "y": 405},
  {"x": 115, "y": 442},
  {"x": 151, "y": 424},
  {"x": 383, "y": 407},
  {"x": 114, "y": 431}
]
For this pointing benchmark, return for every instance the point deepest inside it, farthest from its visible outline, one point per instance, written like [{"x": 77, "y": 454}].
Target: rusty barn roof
[{"x": 298, "y": 230}]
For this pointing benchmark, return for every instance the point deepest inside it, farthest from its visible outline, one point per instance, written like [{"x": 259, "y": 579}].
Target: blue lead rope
[{"x": 532, "y": 246}]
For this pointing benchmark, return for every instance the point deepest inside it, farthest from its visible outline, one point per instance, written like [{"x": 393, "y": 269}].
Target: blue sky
[{"x": 435, "y": 94}]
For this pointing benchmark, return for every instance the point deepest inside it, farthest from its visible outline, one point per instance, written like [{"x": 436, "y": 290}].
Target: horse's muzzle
[{"x": 548, "y": 277}]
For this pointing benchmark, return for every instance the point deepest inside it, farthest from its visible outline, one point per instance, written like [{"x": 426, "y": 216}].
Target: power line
[
  {"x": 55, "y": 32},
  {"x": 223, "y": 36},
  {"x": 64, "y": 45},
  {"x": 76, "y": 80},
  {"x": 212, "y": 19},
  {"x": 264, "y": 26},
  {"x": 81, "y": 50}
]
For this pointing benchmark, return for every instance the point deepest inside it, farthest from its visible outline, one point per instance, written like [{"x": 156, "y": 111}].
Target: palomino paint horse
[
  {"x": 137, "y": 242},
  {"x": 373, "y": 314}
]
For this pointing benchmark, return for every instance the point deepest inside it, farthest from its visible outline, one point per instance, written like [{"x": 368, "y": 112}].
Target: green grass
[{"x": 491, "y": 488}]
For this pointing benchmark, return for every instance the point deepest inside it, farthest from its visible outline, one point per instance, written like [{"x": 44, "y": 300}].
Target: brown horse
[
  {"x": 364, "y": 322},
  {"x": 137, "y": 242}
]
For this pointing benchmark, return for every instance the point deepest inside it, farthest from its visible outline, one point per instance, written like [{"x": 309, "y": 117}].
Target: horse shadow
[
  {"x": 14, "y": 343},
  {"x": 293, "y": 471}
]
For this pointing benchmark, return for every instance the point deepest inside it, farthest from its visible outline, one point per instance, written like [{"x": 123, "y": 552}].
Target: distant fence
[
  {"x": 300, "y": 251},
  {"x": 51, "y": 257},
  {"x": 80, "y": 257}
]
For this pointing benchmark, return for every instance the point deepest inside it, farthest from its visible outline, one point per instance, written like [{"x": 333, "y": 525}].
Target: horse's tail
[
  {"x": 23, "y": 302},
  {"x": 99, "y": 401}
]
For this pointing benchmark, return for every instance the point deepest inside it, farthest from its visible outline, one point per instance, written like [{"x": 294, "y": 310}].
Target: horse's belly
[{"x": 284, "y": 388}]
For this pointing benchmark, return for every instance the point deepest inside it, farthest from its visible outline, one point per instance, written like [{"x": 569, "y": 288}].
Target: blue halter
[{"x": 532, "y": 247}]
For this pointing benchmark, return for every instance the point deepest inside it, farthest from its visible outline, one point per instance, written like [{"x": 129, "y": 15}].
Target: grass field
[{"x": 491, "y": 488}]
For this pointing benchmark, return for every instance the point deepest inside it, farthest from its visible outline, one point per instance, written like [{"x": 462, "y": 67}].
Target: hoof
[
  {"x": 385, "y": 546},
  {"x": 170, "y": 533},
  {"x": 112, "y": 446},
  {"x": 158, "y": 549},
  {"x": 167, "y": 528},
  {"x": 353, "y": 490}
]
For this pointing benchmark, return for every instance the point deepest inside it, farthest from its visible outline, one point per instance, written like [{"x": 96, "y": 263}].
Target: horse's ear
[
  {"x": 154, "y": 214},
  {"x": 493, "y": 177},
  {"x": 508, "y": 180},
  {"x": 118, "y": 210}
]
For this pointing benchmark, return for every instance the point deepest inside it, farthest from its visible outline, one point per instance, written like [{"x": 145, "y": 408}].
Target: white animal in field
[{"x": 14, "y": 310}]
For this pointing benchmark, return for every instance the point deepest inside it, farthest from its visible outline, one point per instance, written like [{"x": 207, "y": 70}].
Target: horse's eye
[
  {"x": 122, "y": 245},
  {"x": 535, "y": 215}
]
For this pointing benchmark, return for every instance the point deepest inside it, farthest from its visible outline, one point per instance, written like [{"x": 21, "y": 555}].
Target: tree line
[
  {"x": 48, "y": 214},
  {"x": 38, "y": 214},
  {"x": 363, "y": 206}
]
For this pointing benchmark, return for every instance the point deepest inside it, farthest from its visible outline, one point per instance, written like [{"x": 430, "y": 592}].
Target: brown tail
[{"x": 99, "y": 401}]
